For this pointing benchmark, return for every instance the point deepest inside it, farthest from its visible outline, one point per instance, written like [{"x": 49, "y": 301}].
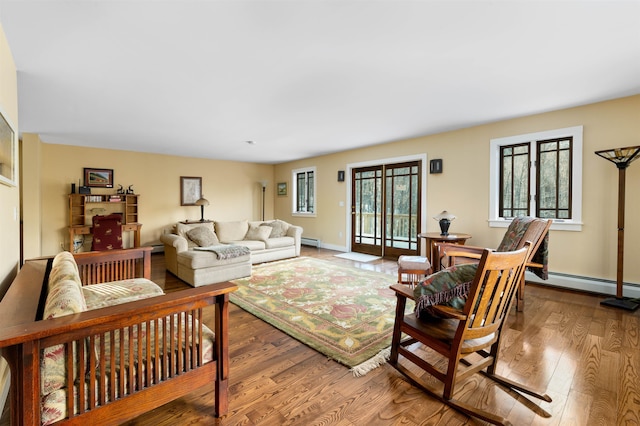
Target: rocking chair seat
[{"x": 445, "y": 331}]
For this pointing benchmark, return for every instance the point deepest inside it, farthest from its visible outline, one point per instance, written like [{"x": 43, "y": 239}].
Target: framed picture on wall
[
  {"x": 282, "y": 188},
  {"x": 98, "y": 178},
  {"x": 190, "y": 190},
  {"x": 8, "y": 152}
]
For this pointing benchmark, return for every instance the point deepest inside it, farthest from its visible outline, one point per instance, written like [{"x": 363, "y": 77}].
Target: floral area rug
[{"x": 344, "y": 312}]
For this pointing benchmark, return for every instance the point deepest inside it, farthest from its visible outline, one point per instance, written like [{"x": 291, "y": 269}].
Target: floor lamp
[
  {"x": 621, "y": 157},
  {"x": 264, "y": 187}
]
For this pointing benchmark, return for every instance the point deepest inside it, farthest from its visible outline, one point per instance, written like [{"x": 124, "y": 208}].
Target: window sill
[
  {"x": 301, "y": 214},
  {"x": 557, "y": 225}
]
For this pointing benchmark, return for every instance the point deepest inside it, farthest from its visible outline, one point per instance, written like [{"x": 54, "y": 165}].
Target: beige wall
[
  {"x": 463, "y": 187},
  {"x": 9, "y": 195},
  {"x": 231, "y": 187}
]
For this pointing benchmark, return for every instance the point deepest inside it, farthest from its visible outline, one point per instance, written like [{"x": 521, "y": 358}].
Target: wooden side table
[{"x": 432, "y": 238}]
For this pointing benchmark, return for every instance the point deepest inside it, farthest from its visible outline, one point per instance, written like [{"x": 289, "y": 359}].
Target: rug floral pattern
[{"x": 344, "y": 312}]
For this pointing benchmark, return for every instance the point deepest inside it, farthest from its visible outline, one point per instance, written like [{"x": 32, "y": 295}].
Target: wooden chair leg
[{"x": 520, "y": 296}]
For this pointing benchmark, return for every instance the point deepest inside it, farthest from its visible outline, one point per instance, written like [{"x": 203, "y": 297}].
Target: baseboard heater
[{"x": 312, "y": 242}]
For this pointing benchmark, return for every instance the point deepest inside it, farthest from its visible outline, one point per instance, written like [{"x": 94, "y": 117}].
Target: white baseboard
[
  {"x": 592, "y": 285},
  {"x": 333, "y": 247}
]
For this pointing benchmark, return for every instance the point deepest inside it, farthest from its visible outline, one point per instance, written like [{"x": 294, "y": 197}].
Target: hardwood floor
[{"x": 587, "y": 357}]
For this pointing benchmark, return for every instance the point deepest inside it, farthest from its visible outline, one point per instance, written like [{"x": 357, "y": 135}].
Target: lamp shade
[
  {"x": 622, "y": 157},
  {"x": 444, "y": 220},
  {"x": 444, "y": 215},
  {"x": 202, "y": 202}
]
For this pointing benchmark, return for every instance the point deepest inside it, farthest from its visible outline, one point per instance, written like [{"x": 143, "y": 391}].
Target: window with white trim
[
  {"x": 538, "y": 174},
  {"x": 304, "y": 191}
]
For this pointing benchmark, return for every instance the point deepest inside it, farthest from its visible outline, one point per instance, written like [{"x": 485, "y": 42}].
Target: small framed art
[
  {"x": 190, "y": 190},
  {"x": 8, "y": 152},
  {"x": 282, "y": 188},
  {"x": 98, "y": 178}
]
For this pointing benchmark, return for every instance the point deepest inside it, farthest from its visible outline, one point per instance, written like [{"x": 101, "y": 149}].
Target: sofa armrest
[
  {"x": 179, "y": 243},
  {"x": 295, "y": 232}
]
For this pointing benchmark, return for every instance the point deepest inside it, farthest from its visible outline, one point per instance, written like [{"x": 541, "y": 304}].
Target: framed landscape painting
[{"x": 98, "y": 178}]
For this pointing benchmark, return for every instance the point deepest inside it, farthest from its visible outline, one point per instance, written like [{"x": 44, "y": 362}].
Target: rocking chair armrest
[
  {"x": 459, "y": 250},
  {"x": 457, "y": 253},
  {"x": 403, "y": 290},
  {"x": 449, "y": 312}
]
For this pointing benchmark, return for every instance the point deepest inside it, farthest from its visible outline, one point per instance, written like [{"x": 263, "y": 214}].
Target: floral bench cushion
[
  {"x": 117, "y": 292},
  {"x": 66, "y": 296},
  {"x": 167, "y": 335}
]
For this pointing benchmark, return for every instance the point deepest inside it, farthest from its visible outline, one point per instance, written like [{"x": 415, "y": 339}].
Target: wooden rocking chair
[{"x": 459, "y": 335}]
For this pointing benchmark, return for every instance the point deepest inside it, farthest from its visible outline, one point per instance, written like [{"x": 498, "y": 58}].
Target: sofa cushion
[
  {"x": 117, "y": 292},
  {"x": 280, "y": 228},
  {"x": 231, "y": 231},
  {"x": 203, "y": 236},
  {"x": 280, "y": 242},
  {"x": 259, "y": 233},
  {"x": 253, "y": 245}
]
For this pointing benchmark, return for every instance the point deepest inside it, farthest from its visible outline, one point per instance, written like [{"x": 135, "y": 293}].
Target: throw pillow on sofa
[
  {"x": 203, "y": 236},
  {"x": 258, "y": 233},
  {"x": 232, "y": 231},
  {"x": 280, "y": 228}
]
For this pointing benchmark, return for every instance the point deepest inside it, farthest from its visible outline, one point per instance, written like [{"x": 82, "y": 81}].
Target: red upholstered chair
[{"x": 107, "y": 232}]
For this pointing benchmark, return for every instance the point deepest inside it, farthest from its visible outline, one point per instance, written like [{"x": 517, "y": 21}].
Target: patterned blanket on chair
[{"x": 512, "y": 238}]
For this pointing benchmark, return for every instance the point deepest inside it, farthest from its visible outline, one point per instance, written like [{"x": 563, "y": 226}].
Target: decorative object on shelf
[
  {"x": 621, "y": 157},
  {"x": 190, "y": 190},
  {"x": 73, "y": 188},
  {"x": 120, "y": 190},
  {"x": 202, "y": 202},
  {"x": 282, "y": 188},
  {"x": 263, "y": 183},
  {"x": 444, "y": 219},
  {"x": 130, "y": 190},
  {"x": 98, "y": 178},
  {"x": 435, "y": 166},
  {"x": 84, "y": 190},
  {"x": 340, "y": 175},
  {"x": 8, "y": 152}
]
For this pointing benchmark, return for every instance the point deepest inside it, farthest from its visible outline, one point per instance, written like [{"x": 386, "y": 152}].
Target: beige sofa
[{"x": 212, "y": 252}]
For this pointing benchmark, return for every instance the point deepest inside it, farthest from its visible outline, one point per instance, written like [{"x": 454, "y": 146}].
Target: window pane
[
  {"x": 548, "y": 180},
  {"x": 521, "y": 182},
  {"x": 554, "y": 178},
  {"x": 514, "y": 180},
  {"x": 310, "y": 194}
]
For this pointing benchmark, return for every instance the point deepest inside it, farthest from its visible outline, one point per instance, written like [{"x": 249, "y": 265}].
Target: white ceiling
[{"x": 306, "y": 78}]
